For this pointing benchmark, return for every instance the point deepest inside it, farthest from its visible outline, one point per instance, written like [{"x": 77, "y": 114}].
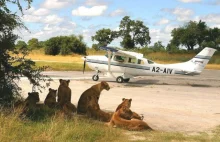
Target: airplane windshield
[{"x": 150, "y": 62}]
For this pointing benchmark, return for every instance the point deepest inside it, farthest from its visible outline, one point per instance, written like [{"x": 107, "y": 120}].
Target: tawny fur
[
  {"x": 95, "y": 112},
  {"x": 93, "y": 91},
  {"x": 133, "y": 124},
  {"x": 50, "y": 100},
  {"x": 64, "y": 92},
  {"x": 127, "y": 113}
]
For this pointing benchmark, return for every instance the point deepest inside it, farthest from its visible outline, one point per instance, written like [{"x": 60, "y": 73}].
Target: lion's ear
[
  {"x": 50, "y": 89},
  {"x": 60, "y": 80},
  {"x": 68, "y": 81},
  {"x": 123, "y": 99},
  {"x": 130, "y": 100},
  {"x": 29, "y": 93}
]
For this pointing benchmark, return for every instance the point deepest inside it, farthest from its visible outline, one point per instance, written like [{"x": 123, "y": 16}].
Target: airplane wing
[{"x": 121, "y": 52}]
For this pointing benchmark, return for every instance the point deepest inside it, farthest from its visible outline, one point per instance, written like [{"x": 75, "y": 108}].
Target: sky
[{"x": 50, "y": 18}]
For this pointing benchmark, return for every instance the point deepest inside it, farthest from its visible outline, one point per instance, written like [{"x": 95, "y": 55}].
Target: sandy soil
[{"x": 168, "y": 103}]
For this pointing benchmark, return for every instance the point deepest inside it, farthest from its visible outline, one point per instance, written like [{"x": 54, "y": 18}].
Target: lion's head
[
  {"x": 52, "y": 92},
  {"x": 105, "y": 85},
  {"x": 33, "y": 97},
  {"x": 64, "y": 82}
]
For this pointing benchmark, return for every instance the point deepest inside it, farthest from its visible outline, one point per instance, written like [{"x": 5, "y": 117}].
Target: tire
[
  {"x": 95, "y": 77},
  {"x": 120, "y": 79},
  {"x": 126, "y": 80}
]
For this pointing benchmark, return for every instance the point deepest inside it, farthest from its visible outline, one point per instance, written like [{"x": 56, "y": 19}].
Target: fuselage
[{"x": 131, "y": 66}]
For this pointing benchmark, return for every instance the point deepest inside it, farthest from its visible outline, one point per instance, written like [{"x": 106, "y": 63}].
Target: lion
[
  {"x": 64, "y": 92},
  {"x": 95, "y": 112},
  {"x": 32, "y": 99},
  {"x": 127, "y": 113},
  {"x": 69, "y": 109},
  {"x": 94, "y": 91},
  {"x": 50, "y": 100},
  {"x": 133, "y": 124}
]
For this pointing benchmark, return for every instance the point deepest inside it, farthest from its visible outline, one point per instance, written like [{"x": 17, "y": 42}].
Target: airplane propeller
[{"x": 84, "y": 64}]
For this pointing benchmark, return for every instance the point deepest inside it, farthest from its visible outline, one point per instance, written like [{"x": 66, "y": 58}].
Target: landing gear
[
  {"x": 126, "y": 80},
  {"x": 120, "y": 79},
  {"x": 95, "y": 77}
]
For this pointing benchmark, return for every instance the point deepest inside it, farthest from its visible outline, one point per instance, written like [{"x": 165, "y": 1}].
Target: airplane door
[{"x": 118, "y": 64}]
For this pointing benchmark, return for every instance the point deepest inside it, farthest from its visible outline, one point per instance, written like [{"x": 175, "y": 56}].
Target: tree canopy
[{"x": 13, "y": 64}]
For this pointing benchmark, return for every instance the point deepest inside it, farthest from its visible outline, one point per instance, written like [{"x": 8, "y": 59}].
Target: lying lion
[
  {"x": 118, "y": 119},
  {"x": 95, "y": 92},
  {"x": 127, "y": 113}
]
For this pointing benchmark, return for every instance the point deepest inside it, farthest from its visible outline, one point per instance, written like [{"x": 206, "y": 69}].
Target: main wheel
[
  {"x": 120, "y": 79},
  {"x": 95, "y": 77},
  {"x": 126, "y": 80}
]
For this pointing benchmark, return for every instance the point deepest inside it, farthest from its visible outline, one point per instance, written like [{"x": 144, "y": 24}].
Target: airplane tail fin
[{"x": 202, "y": 58}]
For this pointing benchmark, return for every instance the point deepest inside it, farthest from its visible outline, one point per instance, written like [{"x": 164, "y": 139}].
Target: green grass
[
  {"x": 57, "y": 128},
  {"x": 57, "y": 66}
]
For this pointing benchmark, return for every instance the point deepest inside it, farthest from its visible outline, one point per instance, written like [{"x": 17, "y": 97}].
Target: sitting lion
[
  {"x": 32, "y": 99},
  {"x": 50, "y": 100},
  {"x": 95, "y": 112},
  {"x": 133, "y": 124},
  {"x": 127, "y": 113},
  {"x": 94, "y": 91},
  {"x": 64, "y": 92}
]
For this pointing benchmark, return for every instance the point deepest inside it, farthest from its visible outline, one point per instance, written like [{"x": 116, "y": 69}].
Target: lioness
[
  {"x": 94, "y": 91},
  {"x": 50, "y": 100},
  {"x": 95, "y": 112},
  {"x": 32, "y": 99},
  {"x": 127, "y": 113},
  {"x": 64, "y": 92},
  {"x": 133, "y": 124}
]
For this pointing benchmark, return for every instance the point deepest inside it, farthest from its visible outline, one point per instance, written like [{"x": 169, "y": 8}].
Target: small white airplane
[{"x": 124, "y": 65}]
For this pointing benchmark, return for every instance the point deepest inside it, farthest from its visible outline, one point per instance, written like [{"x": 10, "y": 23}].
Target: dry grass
[
  {"x": 75, "y": 63},
  {"x": 57, "y": 128}
]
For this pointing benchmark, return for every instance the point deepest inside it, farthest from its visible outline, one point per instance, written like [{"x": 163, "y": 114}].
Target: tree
[
  {"x": 65, "y": 45},
  {"x": 189, "y": 35},
  {"x": 21, "y": 45},
  {"x": 213, "y": 38},
  {"x": 133, "y": 33},
  {"x": 104, "y": 36},
  {"x": 12, "y": 65},
  {"x": 33, "y": 43},
  {"x": 158, "y": 46}
]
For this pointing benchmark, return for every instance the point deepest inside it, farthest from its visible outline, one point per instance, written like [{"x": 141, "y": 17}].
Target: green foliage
[
  {"x": 65, "y": 45},
  {"x": 13, "y": 65},
  {"x": 195, "y": 34},
  {"x": 133, "y": 33},
  {"x": 158, "y": 46},
  {"x": 33, "y": 43},
  {"x": 21, "y": 45},
  {"x": 104, "y": 36},
  {"x": 95, "y": 47}
]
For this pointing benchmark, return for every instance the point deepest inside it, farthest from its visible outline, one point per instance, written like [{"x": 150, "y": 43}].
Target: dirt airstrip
[{"x": 177, "y": 103}]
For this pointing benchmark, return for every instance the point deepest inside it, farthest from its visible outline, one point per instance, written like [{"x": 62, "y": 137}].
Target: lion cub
[
  {"x": 95, "y": 92},
  {"x": 64, "y": 92},
  {"x": 50, "y": 100}
]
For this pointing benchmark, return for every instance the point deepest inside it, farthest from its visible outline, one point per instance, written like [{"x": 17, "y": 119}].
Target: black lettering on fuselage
[{"x": 165, "y": 70}]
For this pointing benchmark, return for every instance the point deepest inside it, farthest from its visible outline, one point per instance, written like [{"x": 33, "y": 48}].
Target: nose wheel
[
  {"x": 120, "y": 79},
  {"x": 95, "y": 77}
]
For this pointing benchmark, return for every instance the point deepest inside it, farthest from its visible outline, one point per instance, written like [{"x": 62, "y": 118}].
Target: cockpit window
[
  {"x": 150, "y": 62},
  {"x": 119, "y": 58}
]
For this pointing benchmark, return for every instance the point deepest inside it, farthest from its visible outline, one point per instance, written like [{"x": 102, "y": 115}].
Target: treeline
[
  {"x": 134, "y": 34},
  {"x": 63, "y": 45},
  {"x": 192, "y": 36}
]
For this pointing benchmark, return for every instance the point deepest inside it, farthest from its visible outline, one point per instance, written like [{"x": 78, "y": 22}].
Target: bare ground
[{"x": 177, "y": 104}]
